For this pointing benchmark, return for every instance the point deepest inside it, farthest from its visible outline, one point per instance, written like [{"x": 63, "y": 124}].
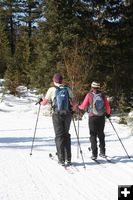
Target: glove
[
  {"x": 40, "y": 100},
  {"x": 75, "y": 110},
  {"x": 107, "y": 115},
  {"x": 81, "y": 111}
]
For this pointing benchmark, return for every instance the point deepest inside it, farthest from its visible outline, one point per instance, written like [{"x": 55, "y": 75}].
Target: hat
[
  {"x": 57, "y": 78},
  {"x": 95, "y": 84}
]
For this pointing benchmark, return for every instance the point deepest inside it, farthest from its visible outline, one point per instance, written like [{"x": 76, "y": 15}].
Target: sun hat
[
  {"x": 95, "y": 84},
  {"x": 57, "y": 78}
]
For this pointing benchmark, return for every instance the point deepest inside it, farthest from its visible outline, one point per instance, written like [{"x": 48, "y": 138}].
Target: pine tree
[
  {"x": 30, "y": 14},
  {"x": 118, "y": 59},
  {"x": 62, "y": 36},
  {"x": 20, "y": 18},
  {"x": 17, "y": 72},
  {"x": 4, "y": 47}
]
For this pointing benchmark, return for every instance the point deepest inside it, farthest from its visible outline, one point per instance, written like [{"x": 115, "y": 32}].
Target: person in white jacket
[{"x": 61, "y": 121}]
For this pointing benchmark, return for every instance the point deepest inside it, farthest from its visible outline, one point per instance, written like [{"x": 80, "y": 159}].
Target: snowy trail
[{"x": 37, "y": 177}]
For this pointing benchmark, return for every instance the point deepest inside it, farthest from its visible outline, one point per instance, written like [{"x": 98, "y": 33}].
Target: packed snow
[{"x": 37, "y": 177}]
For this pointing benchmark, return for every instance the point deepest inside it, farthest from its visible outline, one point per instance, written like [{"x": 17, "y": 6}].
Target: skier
[
  {"x": 61, "y": 119},
  {"x": 96, "y": 117}
]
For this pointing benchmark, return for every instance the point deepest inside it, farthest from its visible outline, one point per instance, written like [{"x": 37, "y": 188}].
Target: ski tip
[
  {"x": 50, "y": 155},
  {"x": 89, "y": 148}
]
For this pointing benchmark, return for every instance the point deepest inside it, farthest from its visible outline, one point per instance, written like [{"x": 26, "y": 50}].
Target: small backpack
[
  {"x": 61, "y": 102},
  {"x": 97, "y": 107}
]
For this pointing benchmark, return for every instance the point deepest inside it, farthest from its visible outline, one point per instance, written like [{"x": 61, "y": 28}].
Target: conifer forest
[{"x": 84, "y": 40}]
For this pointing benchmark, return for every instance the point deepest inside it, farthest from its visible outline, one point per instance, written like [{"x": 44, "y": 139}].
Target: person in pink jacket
[{"x": 96, "y": 118}]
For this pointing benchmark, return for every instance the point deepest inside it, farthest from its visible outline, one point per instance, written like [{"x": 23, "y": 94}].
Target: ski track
[{"x": 36, "y": 177}]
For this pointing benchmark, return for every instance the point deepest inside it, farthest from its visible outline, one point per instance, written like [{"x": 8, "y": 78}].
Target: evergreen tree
[
  {"x": 5, "y": 54},
  {"x": 62, "y": 35},
  {"x": 30, "y": 14},
  {"x": 4, "y": 50},
  {"x": 20, "y": 18},
  {"x": 118, "y": 59},
  {"x": 17, "y": 72},
  {"x": 9, "y": 16}
]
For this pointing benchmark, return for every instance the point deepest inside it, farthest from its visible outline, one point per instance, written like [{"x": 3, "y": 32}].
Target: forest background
[{"x": 85, "y": 40}]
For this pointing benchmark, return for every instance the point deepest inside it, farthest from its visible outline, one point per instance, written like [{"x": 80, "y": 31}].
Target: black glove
[
  {"x": 72, "y": 112},
  {"x": 39, "y": 101},
  {"x": 107, "y": 115}
]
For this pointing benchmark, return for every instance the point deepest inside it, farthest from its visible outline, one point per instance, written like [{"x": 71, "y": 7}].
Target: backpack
[
  {"x": 97, "y": 107},
  {"x": 61, "y": 102}
]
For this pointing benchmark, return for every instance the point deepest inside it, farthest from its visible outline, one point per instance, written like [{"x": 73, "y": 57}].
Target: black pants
[
  {"x": 96, "y": 127},
  {"x": 61, "y": 123}
]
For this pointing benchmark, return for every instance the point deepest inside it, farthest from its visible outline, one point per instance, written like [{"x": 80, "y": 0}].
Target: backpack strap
[
  {"x": 90, "y": 108},
  {"x": 92, "y": 95}
]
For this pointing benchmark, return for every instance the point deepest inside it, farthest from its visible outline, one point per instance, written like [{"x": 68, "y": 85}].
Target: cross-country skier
[
  {"x": 63, "y": 103},
  {"x": 98, "y": 108}
]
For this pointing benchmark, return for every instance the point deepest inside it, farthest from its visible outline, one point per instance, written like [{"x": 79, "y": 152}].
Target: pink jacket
[{"x": 88, "y": 101}]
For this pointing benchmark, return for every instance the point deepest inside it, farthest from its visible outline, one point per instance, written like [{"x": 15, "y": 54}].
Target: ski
[
  {"x": 97, "y": 161},
  {"x": 109, "y": 160},
  {"x": 106, "y": 158},
  {"x": 73, "y": 167},
  {"x": 67, "y": 168}
]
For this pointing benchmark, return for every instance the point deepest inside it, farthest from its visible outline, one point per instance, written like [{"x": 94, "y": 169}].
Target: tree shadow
[
  {"x": 122, "y": 159},
  {"x": 25, "y": 142}
]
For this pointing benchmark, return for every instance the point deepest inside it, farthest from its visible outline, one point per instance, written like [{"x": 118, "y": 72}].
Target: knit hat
[
  {"x": 57, "y": 78},
  {"x": 95, "y": 84}
]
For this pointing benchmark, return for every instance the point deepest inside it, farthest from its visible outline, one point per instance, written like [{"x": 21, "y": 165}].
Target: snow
[{"x": 37, "y": 177}]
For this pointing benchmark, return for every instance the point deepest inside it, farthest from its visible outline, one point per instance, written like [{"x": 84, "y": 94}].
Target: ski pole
[
  {"x": 78, "y": 135},
  {"x": 89, "y": 148},
  {"x": 119, "y": 138},
  {"x": 78, "y": 143},
  {"x": 35, "y": 129}
]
